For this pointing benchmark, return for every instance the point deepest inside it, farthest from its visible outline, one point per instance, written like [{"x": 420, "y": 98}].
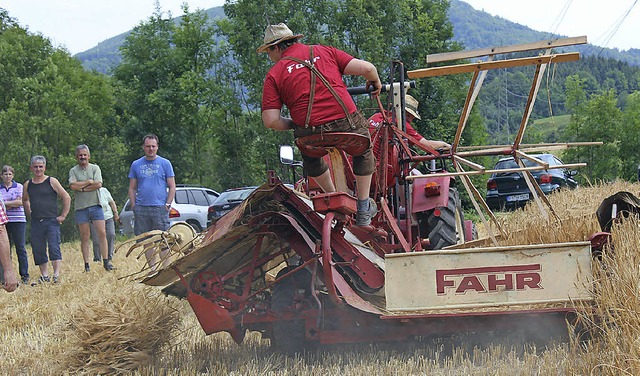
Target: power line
[
  {"x": 616, "y": 26},
  {"x": 556, "y": 23}
]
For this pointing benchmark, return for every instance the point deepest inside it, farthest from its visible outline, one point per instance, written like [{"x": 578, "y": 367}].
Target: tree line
[{"x": 197, "y": 85}]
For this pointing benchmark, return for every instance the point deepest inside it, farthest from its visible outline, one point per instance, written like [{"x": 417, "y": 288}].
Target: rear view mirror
[{"x": 286, "y": 154}]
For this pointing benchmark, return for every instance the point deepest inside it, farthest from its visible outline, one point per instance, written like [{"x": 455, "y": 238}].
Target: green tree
[
  {"x": 598, "y": 120},
  {"x": 629, "y": 152},
  {"x": 171, "y": 82}
]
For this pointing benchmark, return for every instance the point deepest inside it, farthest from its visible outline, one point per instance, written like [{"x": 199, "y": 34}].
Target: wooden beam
[
  {"x": 480, "y": 172},
  {"x": 553, "y": 145},
  {"x": 460, "y": 55},
  {"x": 474, "y": 67}
]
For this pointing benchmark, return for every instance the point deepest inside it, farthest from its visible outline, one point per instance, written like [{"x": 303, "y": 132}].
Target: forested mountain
[
  {"x": 478, "y": 29},
  {"x": 106, "y": 55},
  {"x": 472, "y": 28}
]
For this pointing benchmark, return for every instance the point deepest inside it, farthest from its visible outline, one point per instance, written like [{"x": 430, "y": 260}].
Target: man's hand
[
  {"x": 377, "y": 87},
  {"x": 439, "y": 145},
  {"x": 60, "y": 219},
  {"x": 10, "y": 280}
]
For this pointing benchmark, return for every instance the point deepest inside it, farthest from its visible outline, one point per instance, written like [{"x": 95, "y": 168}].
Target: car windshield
[{"x": 234, "y": 195}]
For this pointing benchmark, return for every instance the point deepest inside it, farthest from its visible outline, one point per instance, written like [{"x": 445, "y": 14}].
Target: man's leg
[
  {"x": 95, "y": 241},
  {"x": 102, "y": 237},
  {"x": 55, "y": 255},
  {"x": 363, "y": 186},
  {"x": 9, "y": 275},
  {"x": 326, "y": 183},
  {"x": 110, "y": 228},
  {"x": 363, "y": 167},
  {"x": 144, "y": 222},
  {"x": 39, "y": 246},
  {"x": 161, "y": 222},
  {"x": 85, "y": 235},
  {"x": 16, "y": 232}
]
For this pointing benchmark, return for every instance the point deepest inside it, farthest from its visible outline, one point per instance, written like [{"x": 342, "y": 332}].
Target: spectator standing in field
[
  {"x": 11, "y": 192},
  {"x": 85, "y": 179},
  {"x": 110, "y": 210},
  {"x": 10, "y": 281},
  {"x": 308, "y": 80},
  {"x": 152, "y": 187},
  {"x": 40, "y": 200}
]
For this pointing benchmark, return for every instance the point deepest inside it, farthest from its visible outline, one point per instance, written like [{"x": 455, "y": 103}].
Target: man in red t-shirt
[{"x": 288, "y": 83}]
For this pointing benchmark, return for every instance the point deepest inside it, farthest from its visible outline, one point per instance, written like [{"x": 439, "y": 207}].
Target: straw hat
[
  {"x": 275, "y": 34},
  {"x": 411, "y": 106}
]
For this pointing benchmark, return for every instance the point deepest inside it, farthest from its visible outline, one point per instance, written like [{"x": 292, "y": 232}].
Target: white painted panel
[{"x": 498, "y": 276}]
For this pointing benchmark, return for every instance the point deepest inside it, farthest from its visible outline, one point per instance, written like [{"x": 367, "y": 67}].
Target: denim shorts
[{"x": 92, "y": 213}]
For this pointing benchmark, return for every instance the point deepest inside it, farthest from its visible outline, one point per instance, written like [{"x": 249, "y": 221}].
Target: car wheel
[{"x": 196, "y": 226}]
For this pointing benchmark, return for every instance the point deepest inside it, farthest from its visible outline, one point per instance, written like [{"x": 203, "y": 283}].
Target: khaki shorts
[{"x": 363, "y": 164}]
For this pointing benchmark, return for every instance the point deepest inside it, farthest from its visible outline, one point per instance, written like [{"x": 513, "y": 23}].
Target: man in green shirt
[{"x": 85, "y": 179}]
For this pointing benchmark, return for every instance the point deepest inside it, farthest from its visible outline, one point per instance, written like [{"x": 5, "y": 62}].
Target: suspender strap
[{"x": 315, "y": 72}]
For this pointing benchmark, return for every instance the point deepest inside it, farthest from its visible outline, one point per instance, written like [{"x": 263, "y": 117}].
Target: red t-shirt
[
  {"x": 288, "y": 83},
  {"x": 376, "y": 119}
]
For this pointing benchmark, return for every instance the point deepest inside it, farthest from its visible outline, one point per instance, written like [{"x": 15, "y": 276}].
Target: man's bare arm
[
  {"x": 133, "y": 187},
  {"x": 273, "y": 120},
  {"x": 66, "y": 199}
]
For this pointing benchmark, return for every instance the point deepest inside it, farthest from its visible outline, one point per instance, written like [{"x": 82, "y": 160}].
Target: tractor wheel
[
  {"x": 288, "y": 336},
  {"x": 447, "y": 228}
]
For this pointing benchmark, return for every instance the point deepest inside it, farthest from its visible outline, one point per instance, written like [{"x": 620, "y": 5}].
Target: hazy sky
[
  {"x": 81, "y": 24},
  {"x": 603, "y": 22}
]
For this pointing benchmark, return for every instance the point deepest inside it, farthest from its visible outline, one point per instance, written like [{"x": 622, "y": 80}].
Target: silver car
[{"x": 190, "y": 205}]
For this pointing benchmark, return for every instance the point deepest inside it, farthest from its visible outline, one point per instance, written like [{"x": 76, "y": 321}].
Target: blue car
[{"x": 509, "y": 190}]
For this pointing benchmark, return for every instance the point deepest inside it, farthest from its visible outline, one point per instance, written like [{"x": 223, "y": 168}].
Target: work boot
[
  {"x": 108, "y": 266},
  {"x": 367, "y": 209}
]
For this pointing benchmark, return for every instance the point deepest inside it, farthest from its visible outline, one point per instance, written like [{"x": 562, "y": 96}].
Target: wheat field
[{"x": 105, "y": 323}]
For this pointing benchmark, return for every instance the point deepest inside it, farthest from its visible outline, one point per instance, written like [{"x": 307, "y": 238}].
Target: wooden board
[
  {"x": 488, "y": 277},
  {"x": 474, "y": 67}
]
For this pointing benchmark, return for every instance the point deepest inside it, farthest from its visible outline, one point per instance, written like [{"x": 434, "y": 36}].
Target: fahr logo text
[{"x": 488, "y": 279}]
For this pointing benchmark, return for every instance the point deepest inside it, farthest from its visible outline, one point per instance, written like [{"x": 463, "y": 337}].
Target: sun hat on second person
[
  {"x": 275, "y": 34},
  {"x": 411, "y": 106}
]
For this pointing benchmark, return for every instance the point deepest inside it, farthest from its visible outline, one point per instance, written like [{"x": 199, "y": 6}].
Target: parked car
[
  {"x": 190, "y": 205},
  {"x": 509, "y": 190},
  {"x": 228, "y": 200}
]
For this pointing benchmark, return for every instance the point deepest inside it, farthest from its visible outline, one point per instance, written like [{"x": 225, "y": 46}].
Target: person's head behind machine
[{"x": 411, "y": 106}]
